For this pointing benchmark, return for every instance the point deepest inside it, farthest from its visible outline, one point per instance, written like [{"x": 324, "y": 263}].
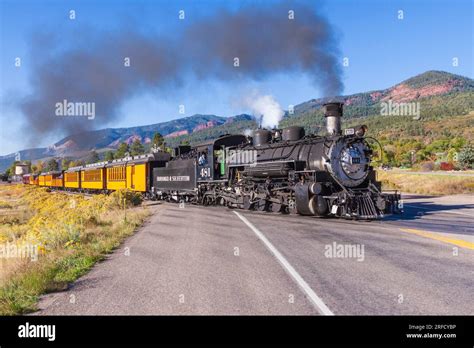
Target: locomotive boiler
[{"x": 282, "y": 170}]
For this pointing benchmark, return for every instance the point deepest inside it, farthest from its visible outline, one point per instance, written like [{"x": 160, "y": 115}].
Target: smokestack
[{"x": 333, "y": 114}]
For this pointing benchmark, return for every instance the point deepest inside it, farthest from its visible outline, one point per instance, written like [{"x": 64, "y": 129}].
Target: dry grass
[
  {"x": 431, "y": 184},
  {"x": 69, "y": 234}
]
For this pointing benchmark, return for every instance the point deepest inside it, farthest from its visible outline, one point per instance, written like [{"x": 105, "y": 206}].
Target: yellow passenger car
[
  {"x": 48, "y": 179},
  {"x": 45, "y": 179},
  {"x": 72, "y": 178},
  {"x": 57, "y": 179},
  {"x": 138, "y": 173},
  {"x": 116, "y": 175},
  {"x": 42, "y": 179},
  {"x": 93, "y": 176},
  {"x": 134, "y": 173}
]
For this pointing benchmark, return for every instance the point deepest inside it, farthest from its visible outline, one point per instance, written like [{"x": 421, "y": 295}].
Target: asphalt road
[
  {"x": 197, "y": 260},
  {"x": 438, "y": 172}
]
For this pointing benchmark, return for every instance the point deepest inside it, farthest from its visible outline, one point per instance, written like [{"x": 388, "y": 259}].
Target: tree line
[{"x": 125, "y": 149}]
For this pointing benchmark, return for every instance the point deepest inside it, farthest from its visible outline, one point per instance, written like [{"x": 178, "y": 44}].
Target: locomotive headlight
[{"x": 360, "y": 132}]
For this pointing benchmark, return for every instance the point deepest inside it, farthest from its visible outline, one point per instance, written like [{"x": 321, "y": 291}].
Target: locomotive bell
[
  {"x": 293, "y": 133},
  {"x": 333, "y": 114}
]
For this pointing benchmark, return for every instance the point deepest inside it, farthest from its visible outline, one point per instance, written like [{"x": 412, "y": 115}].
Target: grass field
[
  {"x": 427, "y": 183},
  {"x": 49, "y": 239}
]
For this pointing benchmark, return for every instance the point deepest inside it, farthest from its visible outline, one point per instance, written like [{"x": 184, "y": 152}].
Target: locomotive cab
[{"x": 211, "y": 157}]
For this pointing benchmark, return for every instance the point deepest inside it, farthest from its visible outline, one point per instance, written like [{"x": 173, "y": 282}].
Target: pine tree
[
  {"x": 39, "y": 167},
  {"x": 158, "y": 140},
  {"x": 122, "y": 150},
  {"x": 109, "y": 155},
  {"x": 137, "y": 148},
  {"x": 93, "y": 157},
  {"x": 52, "y": 165},
  {"x": 65, "y": 163}
]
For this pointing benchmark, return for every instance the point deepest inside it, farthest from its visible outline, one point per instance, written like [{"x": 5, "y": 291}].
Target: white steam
[
  {"x": 266, "y": 106},
  {"x": 248, "y": 132}
]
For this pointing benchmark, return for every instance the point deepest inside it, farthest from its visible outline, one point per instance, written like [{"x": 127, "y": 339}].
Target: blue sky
[{"x": 382, "y": 50}]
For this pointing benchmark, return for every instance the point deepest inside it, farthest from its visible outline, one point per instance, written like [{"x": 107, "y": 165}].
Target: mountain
[
  {"x": 439, "y": 93},
  {"x": 112, "y": 137},
  {"x": 80, "y": 144}
]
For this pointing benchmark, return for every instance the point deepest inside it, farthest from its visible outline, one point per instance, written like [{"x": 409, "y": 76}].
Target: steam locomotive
[{"x": 282, "y": 171}]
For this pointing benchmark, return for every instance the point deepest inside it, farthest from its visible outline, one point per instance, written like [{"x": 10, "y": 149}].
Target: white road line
[
  {"x": 315, "y": 300},
  {"x": 440, "y": 211}
]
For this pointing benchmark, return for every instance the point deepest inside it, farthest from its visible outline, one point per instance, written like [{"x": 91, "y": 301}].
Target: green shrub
[
  {"x": 125, "y": 198},
  {"x": 466, "y": 157}
]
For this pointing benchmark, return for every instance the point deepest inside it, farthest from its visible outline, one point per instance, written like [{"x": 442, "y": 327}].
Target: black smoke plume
[{"x": 265, "y": 41}]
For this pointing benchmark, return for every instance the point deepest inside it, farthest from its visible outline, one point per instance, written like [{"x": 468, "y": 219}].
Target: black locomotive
[{"x": 281, "y": 171}]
